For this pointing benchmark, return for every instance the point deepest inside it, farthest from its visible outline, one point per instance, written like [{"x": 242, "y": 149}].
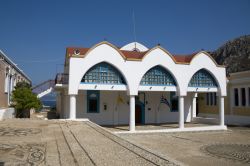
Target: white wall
[
  {"x": 104, "y": 117},
  {"x": 7, "y": 113},
  {"x": 159, "y": 112},
  {"x": 133, "y": 71},
  {"x": 118, "y": 112}
]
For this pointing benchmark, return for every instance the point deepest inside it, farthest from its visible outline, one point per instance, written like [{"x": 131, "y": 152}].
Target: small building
[
  {"x": 237, "y": 102},
  {"x": 10, "y": 75},
  {"x": 136, "y": 85}
]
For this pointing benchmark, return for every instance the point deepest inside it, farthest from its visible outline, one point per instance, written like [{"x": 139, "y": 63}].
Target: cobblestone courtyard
[
  {"x": 231, "y": 147},
  {"x": 54, "y": 142}
]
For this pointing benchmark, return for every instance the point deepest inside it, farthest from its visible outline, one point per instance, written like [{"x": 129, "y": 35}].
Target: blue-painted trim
[
  {"x": 157, "y": 85},
  {"x": 202, "y": 86},
  {"x": 91, "y": 83},
  {"x": 97, "y": 93}
]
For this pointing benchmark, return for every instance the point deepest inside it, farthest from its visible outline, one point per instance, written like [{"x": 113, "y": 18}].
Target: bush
[{"x": 23, "y": 100}]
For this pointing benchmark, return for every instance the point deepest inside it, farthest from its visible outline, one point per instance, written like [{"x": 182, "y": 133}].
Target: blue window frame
[
  {"x": 174, "y": 102},
  {"x": 93, "y": 101},
  {"x": 202, "y": 79},
  {"x": 103, "y": 73},
  {"x": 158, "y": 76}
]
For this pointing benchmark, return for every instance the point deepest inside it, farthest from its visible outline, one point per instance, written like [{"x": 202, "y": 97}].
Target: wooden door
[{"x": 137, "y": 114}]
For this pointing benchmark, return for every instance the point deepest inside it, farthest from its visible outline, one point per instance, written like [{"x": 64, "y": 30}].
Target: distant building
[
  {"x": 10, "y": 74},
  {"x": 136, "y": 85},
  {"x": 237, "y": 102}
]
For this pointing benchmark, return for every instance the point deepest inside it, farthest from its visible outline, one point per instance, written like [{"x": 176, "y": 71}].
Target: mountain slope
[{"x": 234, "y": 54}]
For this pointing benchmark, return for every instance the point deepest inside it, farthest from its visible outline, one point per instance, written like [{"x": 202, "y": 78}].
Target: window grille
[
  {"x": 211, "y": 99},
  {"x": 103, "y": 73},
  {"x": 202, "y": 79},
  {"x": 158, "y": 76}
]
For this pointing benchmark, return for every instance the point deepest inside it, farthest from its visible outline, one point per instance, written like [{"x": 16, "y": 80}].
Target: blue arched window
[
  {"x": 158, "y": 76},
  {"x": 103, "y": 73},
  {"x": 202, "y": 78}
]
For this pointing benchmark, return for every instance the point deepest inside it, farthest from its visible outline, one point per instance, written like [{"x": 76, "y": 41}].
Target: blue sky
[{"x": 35, "y": 33}]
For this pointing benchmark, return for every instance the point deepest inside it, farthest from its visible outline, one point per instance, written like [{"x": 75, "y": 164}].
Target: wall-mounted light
[{"x": 105, "y": 106}]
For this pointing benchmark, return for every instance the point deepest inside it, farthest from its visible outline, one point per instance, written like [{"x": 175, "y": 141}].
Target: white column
[
  {"x": 6, "y": 84},
  {"x": 11, "y": 84},
  {"x": 247, "y": 96},
  {"x": 9, "y": 89},
  {"x": 132, "y": 114},
  {"x": 221, "y": 103},
  {"x": 181, "y": 112},
  {"x": 72, "y": 110},
  {"x": 194, "y": 106}
]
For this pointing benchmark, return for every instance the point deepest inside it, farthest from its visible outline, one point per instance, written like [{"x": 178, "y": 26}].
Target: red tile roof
[{"x": 133, "y": 54}]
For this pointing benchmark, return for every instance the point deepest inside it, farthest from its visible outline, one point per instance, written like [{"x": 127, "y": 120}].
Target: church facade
[{"x": 136, "y": 85}]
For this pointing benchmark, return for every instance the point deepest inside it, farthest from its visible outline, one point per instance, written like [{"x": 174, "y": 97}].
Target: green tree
[{"x": 23, "y": 100}]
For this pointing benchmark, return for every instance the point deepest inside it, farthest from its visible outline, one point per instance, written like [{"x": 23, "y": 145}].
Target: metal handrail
[
  {"x": 62, "y": 78},
  {"x": 43, "y": 86}
]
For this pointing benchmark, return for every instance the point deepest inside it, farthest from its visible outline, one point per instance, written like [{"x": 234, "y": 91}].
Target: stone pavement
[
  {"x": 54, "y": 142},
  {"x": 217, "y": 148}
]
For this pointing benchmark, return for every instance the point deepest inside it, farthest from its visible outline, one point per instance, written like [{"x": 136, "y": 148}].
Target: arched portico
[
  {"x": 204, "y": 81},
  {"x": 159, "y": 80},
  {"x": 149, "y": 71}
]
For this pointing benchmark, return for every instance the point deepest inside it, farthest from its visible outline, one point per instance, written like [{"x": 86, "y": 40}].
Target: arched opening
[
  {"x": 202, "y": 78},
  {"x": 103, "y": 73},
  {"x": 159, "y": 86},
  {"x": 102, "y": 91},
  {"x": 203, "y": 88},
  {"x": 158, "y": 76}
]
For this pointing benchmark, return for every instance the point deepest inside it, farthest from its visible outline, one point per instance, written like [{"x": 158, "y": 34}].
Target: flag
[
  {"x": 119, "y": 99},
  {"x": 164, "y": 101}
]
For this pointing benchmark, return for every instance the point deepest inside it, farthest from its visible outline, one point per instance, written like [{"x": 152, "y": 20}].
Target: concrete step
[{"x": 206, "y": 120}]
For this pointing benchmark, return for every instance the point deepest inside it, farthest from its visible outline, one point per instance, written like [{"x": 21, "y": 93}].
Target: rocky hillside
[{"x": 234, "y": 54}]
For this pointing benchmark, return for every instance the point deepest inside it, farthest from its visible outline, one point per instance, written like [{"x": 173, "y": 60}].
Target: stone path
[{"x": 39, "y": 142}]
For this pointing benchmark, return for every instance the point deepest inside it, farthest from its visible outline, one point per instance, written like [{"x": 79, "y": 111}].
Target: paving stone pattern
[
  {"x": 67, "y": 143},
  {"x": 234, "y": 152},
  {"x": 231, "y": 147}
]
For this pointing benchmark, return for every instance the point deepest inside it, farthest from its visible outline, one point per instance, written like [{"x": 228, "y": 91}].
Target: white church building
[{"x": 136, "y": 85}]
